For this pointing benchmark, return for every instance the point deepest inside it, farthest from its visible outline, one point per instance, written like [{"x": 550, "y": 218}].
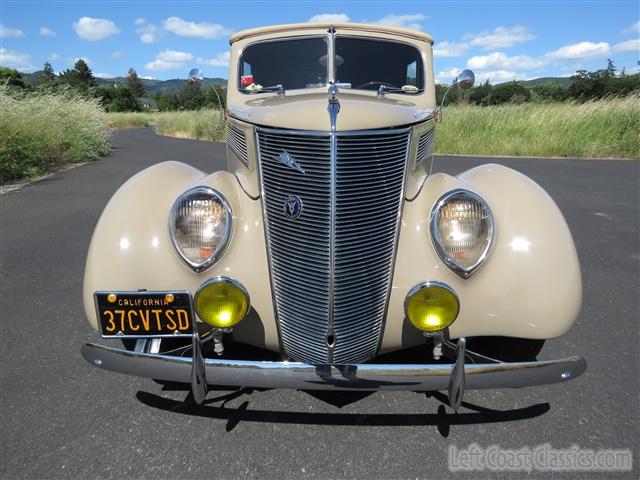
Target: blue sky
[{"x": 499, "y": 40}]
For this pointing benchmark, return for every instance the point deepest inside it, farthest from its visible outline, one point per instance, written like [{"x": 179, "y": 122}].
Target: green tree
[
  {"x": 191, "y": 97},
  {"x": 481, "y": 94},
  {"x": 551, "y": 91},
  {"x": 117, "y": 99},
  {"x": 166, "y": 101},
  {"x": 80, "y": 76},
  {"x": 510, "y": 92},
  {"x": 12, "y": 78},
  {"x": 135, "y": 84},
  {"x": 47, "y": 76}
]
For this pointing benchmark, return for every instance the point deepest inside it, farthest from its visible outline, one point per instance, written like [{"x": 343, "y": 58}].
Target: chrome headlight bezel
[
  {"x": 222, "y": 245},
  {"x": 437, "y": 240}
]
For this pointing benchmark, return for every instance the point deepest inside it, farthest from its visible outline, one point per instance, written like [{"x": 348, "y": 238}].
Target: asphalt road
[{"x": 62, "y": 418}]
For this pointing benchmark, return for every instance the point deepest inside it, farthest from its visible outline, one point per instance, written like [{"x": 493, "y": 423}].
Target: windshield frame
[
  {"x": 421, "y": 55},
  {"x": 326, "y": 36},
  {"x": 331, "y": 70}
]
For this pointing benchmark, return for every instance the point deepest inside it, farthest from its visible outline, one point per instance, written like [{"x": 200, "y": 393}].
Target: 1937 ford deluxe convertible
[{"x": 328, "y": 246}]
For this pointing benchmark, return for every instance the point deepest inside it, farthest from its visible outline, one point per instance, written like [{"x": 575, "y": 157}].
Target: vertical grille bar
[{"x": 331, "y": 267}]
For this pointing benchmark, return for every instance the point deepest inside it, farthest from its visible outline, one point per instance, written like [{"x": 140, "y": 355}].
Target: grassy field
[
  {"x": 599, "y": 129},
  {"x": 40, "y": 133},
  {"x": 199, "y": 125}
]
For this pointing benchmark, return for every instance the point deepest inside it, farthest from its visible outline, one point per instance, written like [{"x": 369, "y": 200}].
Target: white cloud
[
  {"x": 220, "y": 60},
  {"x": 579, "y": 50},
  {"x": 500, "y": 61},
  {"x": 148, "y": 78},
  {"x": 104, "y": 75},
  {"x": 169, "y": 60},
  {"x": 406, "y": 21},
  {"x": 635, "y": 28},
  {"x": 450, "y": 49},
  {"x": 54, "y": 57},
  {"x": 499, "y": 76},
  {"x": 46, "y": 32},
  {"x": 139, "y": 21},
  {"x": 447, "y": 74},
  {"x": 191, "y": 29},
  {"x": 628, "y": 46},
  {"x": 8, "y": 32},
  {"x": 16, "y": 60},
  {"x": 116, "y": 55},
  {"x": 95, "y": 29},
  {"x": 500, "y": 37},
  {"x": 330, "y": 18}
]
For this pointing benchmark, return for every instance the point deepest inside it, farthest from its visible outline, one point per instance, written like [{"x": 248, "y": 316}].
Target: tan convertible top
[{"x": 368, "y": 27}]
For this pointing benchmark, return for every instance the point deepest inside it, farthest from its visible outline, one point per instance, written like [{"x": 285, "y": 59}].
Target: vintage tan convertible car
[{"x": 328, "y": 256}]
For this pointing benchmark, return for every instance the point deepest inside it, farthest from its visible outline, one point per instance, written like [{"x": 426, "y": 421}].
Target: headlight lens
[
  {"x": 462, "y": 230},
  {"x": 200, "y": 224},
  {"x": 222, "y": 302},
  {"x": 431, "y": 306}
]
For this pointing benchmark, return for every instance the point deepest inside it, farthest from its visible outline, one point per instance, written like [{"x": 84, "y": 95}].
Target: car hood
[{"x": 309, "y": 112}]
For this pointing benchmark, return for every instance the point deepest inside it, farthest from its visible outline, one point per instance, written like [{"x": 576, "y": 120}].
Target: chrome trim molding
[
  {"x": 333, "y": 108},
  {"x": 215, "y": 256},
  {"x": 437, "y": 241},
  {"x": 410, "y": 377}
]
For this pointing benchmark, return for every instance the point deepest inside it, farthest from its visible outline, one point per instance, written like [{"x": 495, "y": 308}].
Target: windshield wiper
[
  {"x": 279, "y": 89},
  {"x": 405, "y": 89}
]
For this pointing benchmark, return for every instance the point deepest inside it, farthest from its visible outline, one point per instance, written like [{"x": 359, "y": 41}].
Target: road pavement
[{"x": 63, "y": 418}]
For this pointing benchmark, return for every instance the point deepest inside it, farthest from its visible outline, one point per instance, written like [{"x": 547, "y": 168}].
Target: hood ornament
[{"x": 287, "y": 159}]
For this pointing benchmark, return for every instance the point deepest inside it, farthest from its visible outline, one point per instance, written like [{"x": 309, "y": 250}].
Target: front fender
[
  {"x": 530, "y": 285},
  {"x": 131, "y": 246}
]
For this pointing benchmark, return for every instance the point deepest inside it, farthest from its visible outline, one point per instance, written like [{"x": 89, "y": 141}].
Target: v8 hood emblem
[{"x": 287, "y": 159}]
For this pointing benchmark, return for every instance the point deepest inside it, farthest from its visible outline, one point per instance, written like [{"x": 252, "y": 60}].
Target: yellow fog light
[
  {"x": 221, "y": 302},
  {"x": 431, "y": 306}
]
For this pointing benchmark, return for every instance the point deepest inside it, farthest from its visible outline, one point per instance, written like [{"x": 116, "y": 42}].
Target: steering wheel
[{"x": 375, "y": 83}]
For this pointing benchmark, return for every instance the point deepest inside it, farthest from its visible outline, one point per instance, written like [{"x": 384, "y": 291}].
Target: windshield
[
  {"x": 292, "y": 63},
  {"x": 367, "y": 64}
]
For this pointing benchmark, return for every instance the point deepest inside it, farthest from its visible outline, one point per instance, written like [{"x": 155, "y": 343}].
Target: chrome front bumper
[{"x": 349, "y": 377}]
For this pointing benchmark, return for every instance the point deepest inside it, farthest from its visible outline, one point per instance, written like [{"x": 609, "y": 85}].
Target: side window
[
  {"x": 246, "y": 68},
  {"x": 412, "y": 78}
]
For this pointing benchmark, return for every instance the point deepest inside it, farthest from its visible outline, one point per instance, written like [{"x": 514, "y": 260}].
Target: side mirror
[
  {"x": 195, "y": 75},
  {"x": 465, "y": 80}
]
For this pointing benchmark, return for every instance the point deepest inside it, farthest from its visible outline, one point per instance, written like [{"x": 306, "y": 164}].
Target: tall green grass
[
  {"x": 597, "y": 129},
  {"x": 199, "y": 125},
  {"x": 41, "y": 132},
  {"x": 607, "y": 128}
]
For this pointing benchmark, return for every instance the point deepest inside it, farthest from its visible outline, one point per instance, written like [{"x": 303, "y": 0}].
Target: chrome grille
[
  {"x": 425, "y": 145},
  {"x": 351, "y": 255},
  {"x": 237, "y": 142}
]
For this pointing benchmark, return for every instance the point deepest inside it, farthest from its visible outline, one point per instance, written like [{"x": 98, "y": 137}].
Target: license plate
[{"x": 144, "y": 314}]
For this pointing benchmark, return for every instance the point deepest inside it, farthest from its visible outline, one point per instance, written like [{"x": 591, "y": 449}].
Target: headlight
[
  {"x": 201, "y": 224},
  {"x": 222, "y": 302},
  {"x": 462, "y": 230},
  {"x": 431, "y": 306}
]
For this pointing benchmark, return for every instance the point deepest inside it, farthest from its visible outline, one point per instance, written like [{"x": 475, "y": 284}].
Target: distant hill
[
  {"x": 565, "y": 81},
  {"x": 175, "y": 85},
  {"x": 151, "y": 86}
]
